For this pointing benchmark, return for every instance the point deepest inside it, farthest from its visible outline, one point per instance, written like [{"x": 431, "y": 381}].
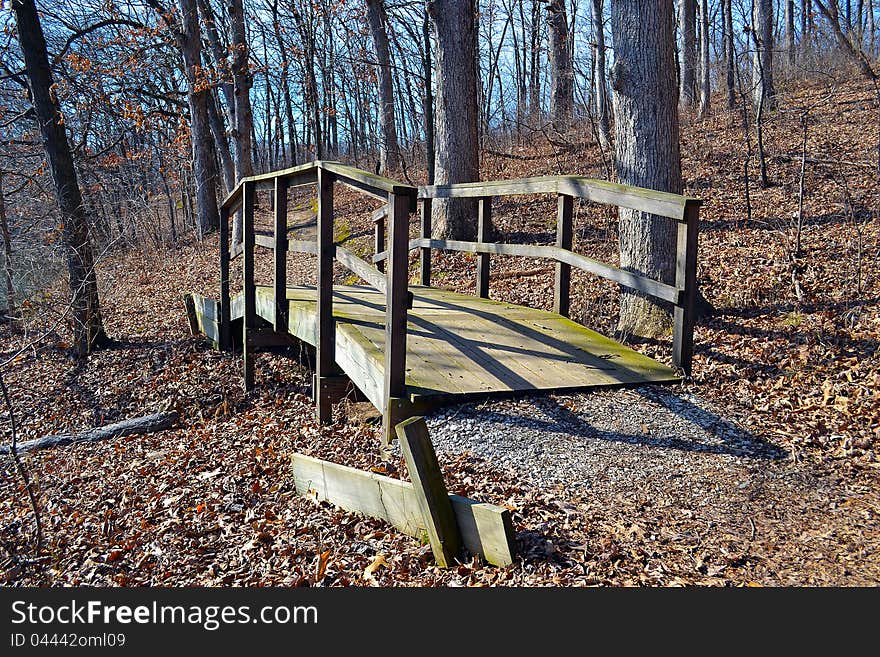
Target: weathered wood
[
  {"x": 684, "y": 315},
  {"x": 264, "y": 241},
  {"x": 225, "y": 337},
  {"x": 325, "y": 344},
  {"x": 302, "y": 246},
  {"x": 430, "y": 490},
  {"x": 635, "y": 281},
  {"x": 372, "y": 184},
  {"x": 485, "y": 529},
  {"x": 379, "y": 234},
  {"x": 139, "y": 425},
  {"x": 248, "y": 284},
  {"x": 191, "y": 317},
  {"x": 206, "y": 313},
  {"x": 362, "y": 268},
  {"x": 396, "y": 302},
  {"x": 425, "y": 253},
  {"x": 279, "y": 282},
  {"x": 236, "y": 251},
  {"x": 564, "y": 235},
  {"x": 537, "y": 185},
  {"x": 484, "y": 224}
]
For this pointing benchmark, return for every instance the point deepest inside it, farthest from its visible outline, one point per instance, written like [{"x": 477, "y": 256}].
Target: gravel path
[{"x": 613, "y": 436}]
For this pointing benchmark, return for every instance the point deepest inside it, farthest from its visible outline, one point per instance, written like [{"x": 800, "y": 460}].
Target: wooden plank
[
  {"x": 485, "y": 529},
  {"x": 537, "y": 185},
  {"x": 225, "y": 337},
  {"x": 302, "y": 174},
  {"x": 325, "y": 327},
  {"x": 191, "y": 316},
  {"x": 564, "y": 237},
  {"x": 484, "y": 225},
  {"x": 233, "y": 199},
  {"x": 430, "y": 490},
  {"x": 362, "y": 268},
  {"x": 376, "y": 185},
  {"x": 302, "y": 246},
  {"x": 396, "y": 302},
  {"x": 635, "y": 281},
  {"x": 684, "y": 315},
  {"x": 264, "y": 241},
  {"x": 248, "y": 285},
  {"x": 624, "y": 196},
  {"x": 235, "y": 251},
  {"x": 379, "y": 235},
  {"x": 206, "y": 313},
  {"x": 279, "y": 282},
  {"x": 425, "y": 253}
]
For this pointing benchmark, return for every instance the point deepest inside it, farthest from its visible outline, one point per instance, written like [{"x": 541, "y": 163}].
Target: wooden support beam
[
  {"x": 564, "y": 235},
  {"x": 431, "y": 495},
  {"x": 686, "y": 280},
  {"x": 280, "y": 265},
  {"x": 484, "y": 226},
  {"x": 379, "y": 235},
  {"x": 425, "y": 253},
  {"x": 249, "y": 286},
  {"x": 396, "y": 301},
  {"x": 325, "y": 330},
  {"x": 225, "y": 341},
  {"x": 485, "y": 529},
  {"x": 191, "y": 317}
]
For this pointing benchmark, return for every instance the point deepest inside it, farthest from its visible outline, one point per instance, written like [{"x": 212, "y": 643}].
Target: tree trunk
[
  {"x": 88, "y": 329},
  {"x": 428, "y": 101},
  {"x": 687, "y": 10},
  {"x": 600, "y": 82},
  {"x": 389, "y": 155},
  {"x": 762, "y": 58},
  {"x": 7, "y": 261},
  {"x": 729, "y": 53},
  {"x": 242, "y": 80},
  {"x": 789, "y": 33},
  {"x": 221, "y": 144},
  {"x": 647, "y": 149},
  {"x": 561, "y": 71},
  {"x": 457, "y": 157},
  {"x": 204, "y": 168},
  {"x": 705, "y": 78}
]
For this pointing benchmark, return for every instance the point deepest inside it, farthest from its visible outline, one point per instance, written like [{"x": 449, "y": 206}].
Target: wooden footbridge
[{"x": 407, "y": 348}]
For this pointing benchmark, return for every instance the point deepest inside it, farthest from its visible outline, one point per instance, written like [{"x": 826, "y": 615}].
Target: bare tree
[
  {"x": 788, "y": 6},
  {"x": 241, "y": 82},
  {"x": 705, "y": 72},
  {"x": 764, "y": 93},
  {"x": 601, "y": 85},
  {"x": 647, "y": 149},
  {"x": 457, "y": 154},
  {"x": 389, "y": 159},
  {"x": 88, "y": 328},
  {"x": 561, "y": 70},
  {"x": 687, "y": 10},
  {"x": 729, "y": 53}
]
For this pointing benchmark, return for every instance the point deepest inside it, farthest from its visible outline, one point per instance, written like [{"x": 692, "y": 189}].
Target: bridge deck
[{"x": 460, "y": 345}]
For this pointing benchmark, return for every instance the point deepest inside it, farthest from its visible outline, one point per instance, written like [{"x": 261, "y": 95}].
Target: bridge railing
[
  {"x": 685, "y": 211},
  {"x": 401, "y": 199}
]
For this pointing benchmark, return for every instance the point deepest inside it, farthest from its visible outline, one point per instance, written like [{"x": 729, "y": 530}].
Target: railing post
[
  {"x": 484, "y": 225},
  {"x": 396, "y": 295},
  {"x": 280, "y": 279},
  {"x": 225, "y": 300},
  {"x": 379, "y": 239},
  {"x": 686, "y": 282},
  {"x": 249, "y": 320},
  {"x": 425, "y": 251},
  {"x": 325, "y": 334},
  {"x": 564, "y": 236}
]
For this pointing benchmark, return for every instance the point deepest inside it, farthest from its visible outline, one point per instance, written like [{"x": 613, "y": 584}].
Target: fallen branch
[{"x": 145, "y": 424}]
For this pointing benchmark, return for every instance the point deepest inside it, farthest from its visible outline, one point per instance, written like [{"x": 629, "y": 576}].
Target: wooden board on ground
[{"x": 485, "y": 529}]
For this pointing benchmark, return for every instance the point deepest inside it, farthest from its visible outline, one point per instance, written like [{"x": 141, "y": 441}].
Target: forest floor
[{"x": 781, "y": 487}]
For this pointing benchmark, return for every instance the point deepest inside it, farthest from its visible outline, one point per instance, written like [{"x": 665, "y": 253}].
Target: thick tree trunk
[
  {"x": 729, "y": 53},
  {"x": 647, "y": 149},
  {"x": 428, "y": 101},
  {"x": 204, "y": 168},
  {"x": 762, "y": 57},
  {"x": 389, "y": 155},
  {"x": 705, "y": 77},
  {"x": 561, "y": 71},
  {"x": 600, "y": 82},
  {"x": 687, "y": 11},
  {"x": 88, "y": 329},
  {"x": 457, "y": 156},
  {"x": 242, "y": 80}
]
